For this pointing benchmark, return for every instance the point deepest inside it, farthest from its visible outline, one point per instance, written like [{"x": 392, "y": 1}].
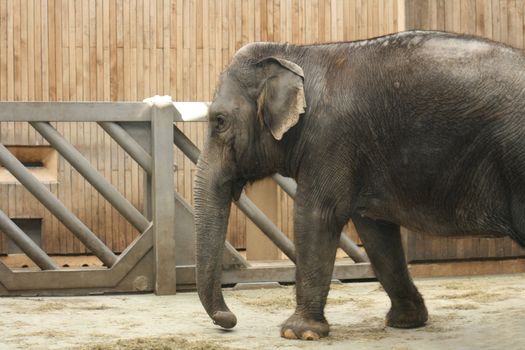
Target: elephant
[{"x": 420, "y": 129}]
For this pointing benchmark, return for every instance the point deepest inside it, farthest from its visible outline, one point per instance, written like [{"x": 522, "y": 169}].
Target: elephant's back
[{"x": 440, "y": 75}]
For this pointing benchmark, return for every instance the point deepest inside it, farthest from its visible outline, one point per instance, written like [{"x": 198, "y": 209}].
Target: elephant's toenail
[
  {"x": 309, "y": 335},
  {"x": 289, "y": 334}
]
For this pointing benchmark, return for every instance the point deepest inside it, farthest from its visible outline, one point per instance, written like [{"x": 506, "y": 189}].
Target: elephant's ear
[{"x": 281, "y": 100}]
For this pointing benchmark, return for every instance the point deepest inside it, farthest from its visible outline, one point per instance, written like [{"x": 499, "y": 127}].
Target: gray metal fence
[
  {"x": 145, "y": 265},
  {"x": 161, "y": 259}
]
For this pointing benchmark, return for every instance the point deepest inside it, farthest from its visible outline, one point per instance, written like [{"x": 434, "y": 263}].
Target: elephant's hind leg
[{"x": 382, "y": 242}]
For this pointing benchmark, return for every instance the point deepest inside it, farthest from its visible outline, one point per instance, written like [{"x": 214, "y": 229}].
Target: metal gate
[
  {"x": 148, "y": 263},
  {"x": 161, "y": 258}
]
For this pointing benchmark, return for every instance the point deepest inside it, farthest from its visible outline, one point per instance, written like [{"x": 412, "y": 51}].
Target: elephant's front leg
[{"x": 316, "y": 240}]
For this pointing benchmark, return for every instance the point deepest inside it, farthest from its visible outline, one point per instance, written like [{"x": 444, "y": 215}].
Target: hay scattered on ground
[
  {"x": 476, "y": 296},
  {"x": 41, "y": 305},
  {"x": 440, "y": 323},
  {"x": 52, "y": 306},
  {"x": 466, "y": 306},
  {"x": 284, "y": 298},
  {"x": 49, "y": 334},
  {"x": 163, "y": 343},
  {"x": 267, "y": 299},
  {"x": 95, "y": 307},
  {"x": 460, "y": 285},
  {"x": 360, "y": 302},
  {"x": 372, "y": 328}
]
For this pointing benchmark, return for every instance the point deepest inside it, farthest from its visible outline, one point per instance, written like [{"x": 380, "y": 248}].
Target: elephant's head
[{"x": 258, "y": 100}]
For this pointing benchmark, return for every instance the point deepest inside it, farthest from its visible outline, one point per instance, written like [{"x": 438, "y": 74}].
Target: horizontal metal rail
[
  {"x": 244, "y": 203},
  {"x": 99, "y": 182},
  {"x": 74, "y": 111},
  {"x": 132, "y": 147},
  {"x": 349, "y": 247},
  {"x": 32, "y": 250},
  {"x": 44, "y": 195}
]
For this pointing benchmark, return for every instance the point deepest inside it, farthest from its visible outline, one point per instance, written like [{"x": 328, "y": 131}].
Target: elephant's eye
[{"x": 220, "y": 123}]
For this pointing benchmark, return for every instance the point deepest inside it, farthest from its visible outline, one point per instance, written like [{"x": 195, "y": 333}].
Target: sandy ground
[{"x": 466, "y": 313}]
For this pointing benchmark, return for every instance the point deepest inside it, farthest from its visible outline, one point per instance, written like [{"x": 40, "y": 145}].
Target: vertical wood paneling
[{"x": 97, "y": 50}]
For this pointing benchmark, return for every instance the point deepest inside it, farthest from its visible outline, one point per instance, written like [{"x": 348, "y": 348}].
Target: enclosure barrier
[
  {"x": 161, "y": 258},
  {"x": 148, "y": 263}
]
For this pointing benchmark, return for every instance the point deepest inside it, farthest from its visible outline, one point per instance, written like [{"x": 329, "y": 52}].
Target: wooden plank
[
  {"x": 97, "y": 162},
  {"x": 106, "y": 51},
  {"x": 120, "y": 234},
  {"x": 495, "y": 23},
  {"x": 362, "y": 14},
  {"x": 10, "y": 51},
  {"x": 86, "y": 95},
  {"x": 373, "y": 18},
  {"x": 128, "y": 232},
  {"x": 166, "y": 50},
  {"x": 30, "y": 49},
  {"x": 256, "y": 20},
  {"x": 24, "y": 83},
  {"x": 71, "y": 45},
  {"x": 74, "y": 183},
  {"x": 287, "y": 20},
  {"x": 140, "y": 50},
  {"x": 4, "y": 207},
  {"x": 112, "y": 217},
  {"x": 92, "y": 59},
  {"x": 205, "y": 68},
  {"x": 153, "y": 48},
  {"x": 106, "y": 224},
  {"x": 3, "y": 50},
  {"x": 84, "y": 135},
  {"x": 17, "y": 50},
  {"x": 126, "y": 40},
  {"x": 179, "y": 51}
]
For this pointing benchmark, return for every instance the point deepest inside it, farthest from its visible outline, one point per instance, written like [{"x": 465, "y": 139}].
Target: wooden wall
[
  {"x": 126, "y": 50},
  {"x": 95, "y": 50},
  {"x": 501, "y": 20}
]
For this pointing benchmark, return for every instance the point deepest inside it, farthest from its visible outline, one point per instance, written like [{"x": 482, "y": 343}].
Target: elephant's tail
[
  {"x": 518, "y": 221},
  {"x": 519, "y": 238}
]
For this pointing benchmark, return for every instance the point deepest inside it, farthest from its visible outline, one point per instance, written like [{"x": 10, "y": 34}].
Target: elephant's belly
[{"x": 432, "y": 220}]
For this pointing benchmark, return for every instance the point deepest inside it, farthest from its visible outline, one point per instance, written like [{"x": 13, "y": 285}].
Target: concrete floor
[{"x": 466, "y": 313}]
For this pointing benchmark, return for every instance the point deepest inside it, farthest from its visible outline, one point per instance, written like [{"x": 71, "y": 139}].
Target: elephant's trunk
[{"x": 212, "y": 209}]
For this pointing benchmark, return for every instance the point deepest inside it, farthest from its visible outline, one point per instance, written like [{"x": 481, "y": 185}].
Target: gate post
[{"x": 163, "y": 207}]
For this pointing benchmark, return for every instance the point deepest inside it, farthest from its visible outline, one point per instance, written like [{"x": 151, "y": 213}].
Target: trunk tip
[{"x": 225, "y": 319}]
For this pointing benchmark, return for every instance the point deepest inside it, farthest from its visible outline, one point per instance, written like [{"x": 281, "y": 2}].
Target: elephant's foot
[
  {"x": 299, "y": 327},
  {"x": 408, "y": 314}
]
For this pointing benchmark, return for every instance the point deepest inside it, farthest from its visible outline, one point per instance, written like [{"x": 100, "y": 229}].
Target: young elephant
[{"x": 420, "y": 129}]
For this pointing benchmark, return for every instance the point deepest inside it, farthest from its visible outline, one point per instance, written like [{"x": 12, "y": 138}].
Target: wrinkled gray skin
[{"x": 420, "y": 129}]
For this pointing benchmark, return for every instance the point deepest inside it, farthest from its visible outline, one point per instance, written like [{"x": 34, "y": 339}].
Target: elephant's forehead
[
  {"x": 228, "y": 97},
  {"x": 226, "y": 105}
]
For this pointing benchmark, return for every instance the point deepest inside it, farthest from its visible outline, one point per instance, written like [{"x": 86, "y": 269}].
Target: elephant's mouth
[{"x": 237, "y": 188}]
